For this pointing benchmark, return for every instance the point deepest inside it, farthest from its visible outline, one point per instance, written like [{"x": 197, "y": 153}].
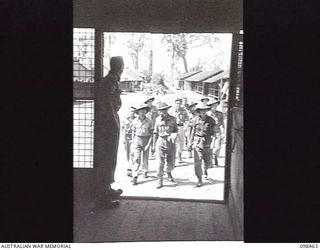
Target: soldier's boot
[
  {"x": 205, "y": 174},
  {"x": 129, "y": 172},
  {"x": 180, "y": 157},
  {"x": 199, "y": 184},
  {"x": 134, "y": 180},
  {"x": 170, "y": 178},
  {"x": 114, "y": 194},
  {"x": 160, "y": 183},
  {"x": 216, "y": 160},
  {"x": 145, "y": 174}
]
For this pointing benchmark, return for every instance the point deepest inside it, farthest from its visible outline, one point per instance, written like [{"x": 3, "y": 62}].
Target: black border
[
  {"x": 36, "y": 103},
  {"x": 281, "y": 132}
]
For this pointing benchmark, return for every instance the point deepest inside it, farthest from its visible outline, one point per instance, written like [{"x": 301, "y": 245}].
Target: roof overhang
[
  {"x": 218, "y": 77},
  {"x": 163, "y": 16}
]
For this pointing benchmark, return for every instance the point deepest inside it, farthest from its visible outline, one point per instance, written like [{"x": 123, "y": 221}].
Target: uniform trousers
[
  {"x": 138, "y": 146},
  {"x": 180, "y": 138},
  {"x": 217, "y": 142},
  {"x": 127, "y": 148},
  {"x": 202, "y": 152},
  {"x": 188, "y": 136},
  {"x": 166, "y": 155},
  {"x": 129, "y": 151},
  {"x": 106, "y": 150}
]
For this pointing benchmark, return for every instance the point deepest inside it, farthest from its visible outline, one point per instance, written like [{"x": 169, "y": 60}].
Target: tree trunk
[
  {"x": 172, "y": 64},
  {"x": 185, "y": 64},
  {"x": 151, "y": 62},
  {"x": 172, "y": 61},
  {"x": 136, "y": 65}
]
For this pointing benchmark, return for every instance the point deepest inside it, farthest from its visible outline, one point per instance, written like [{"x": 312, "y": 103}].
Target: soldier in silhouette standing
[{"x": 107, "y": 131}]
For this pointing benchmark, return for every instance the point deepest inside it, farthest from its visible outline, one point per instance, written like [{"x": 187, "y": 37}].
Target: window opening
[{"x": 83, "y": 102}]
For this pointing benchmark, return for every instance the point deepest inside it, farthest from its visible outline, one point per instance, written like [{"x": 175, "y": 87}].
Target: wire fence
[{"x": 83, "y": 101}]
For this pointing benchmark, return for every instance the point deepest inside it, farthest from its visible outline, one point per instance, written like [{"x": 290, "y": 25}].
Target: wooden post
[
  {"x": 98, "y": 75},
  {"x": 98, "y": 56},
  {"x": 231, "y": 104},
  {"x": 205, "y": 89},
  {"x": 220, "y": 88}
]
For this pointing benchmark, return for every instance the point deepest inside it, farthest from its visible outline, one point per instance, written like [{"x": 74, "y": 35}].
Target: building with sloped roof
[
  {"x": 196, "y": 82},
  {"x": 81, "y": 73},
  {"x": 129, "y": 80},
  {"x": 181, "y": 79},
  {"x": 215, "y": 84}
]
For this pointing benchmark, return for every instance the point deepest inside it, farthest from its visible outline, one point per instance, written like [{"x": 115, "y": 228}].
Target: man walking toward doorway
[
  {"x": 152, "y": 115},
  {"x": 181, "y": 115},
  {"x": 202, "y": 134},
  {"x": 142, "y": 130},
  {"x": 192, "y": 114},
  {"x": 219, "y": 130},
  {"x": 204, "y": 100},
  {"x": 165, "y": 133},
  {"x": 127, "y": 138},
  {"x": 107, "y": 131}
]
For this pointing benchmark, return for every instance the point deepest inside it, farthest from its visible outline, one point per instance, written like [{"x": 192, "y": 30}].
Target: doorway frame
[{"x": 234, "y": 79}]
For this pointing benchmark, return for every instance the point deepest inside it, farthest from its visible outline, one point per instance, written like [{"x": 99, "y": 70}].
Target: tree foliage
[
  {"x": 179, "y": 44},
  {"x": 83, "y": 46},
  {"x": 109, "y": 40},
  {"x": 135, "y": 44}
]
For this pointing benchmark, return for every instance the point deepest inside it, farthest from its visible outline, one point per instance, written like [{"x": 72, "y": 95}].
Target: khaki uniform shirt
[
  {"x": 203, "y": 130},
  {"x": 152, "y": 114},
  {"x": 108, "y": 101},
  {"x": 165, "y": 126},
  {"x": 181, "y": 115},
  {"x": 142, "y": 128},
  {"x": 127, "y": 128},
  {"x": 218, "y": 117},
  {"x": 191, "y": 116}
]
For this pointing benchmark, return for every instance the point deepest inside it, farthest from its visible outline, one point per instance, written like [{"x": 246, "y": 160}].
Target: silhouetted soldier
[{"x": 107, "y": 130}]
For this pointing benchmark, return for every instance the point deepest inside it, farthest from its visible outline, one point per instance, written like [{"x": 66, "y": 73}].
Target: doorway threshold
[{"x": 145, "y": 198}]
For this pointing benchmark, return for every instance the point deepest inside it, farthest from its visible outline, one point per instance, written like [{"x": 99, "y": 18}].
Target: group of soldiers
[
  {"x": 164, "y": 130},
  {"x": 151, "y": 129}
]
